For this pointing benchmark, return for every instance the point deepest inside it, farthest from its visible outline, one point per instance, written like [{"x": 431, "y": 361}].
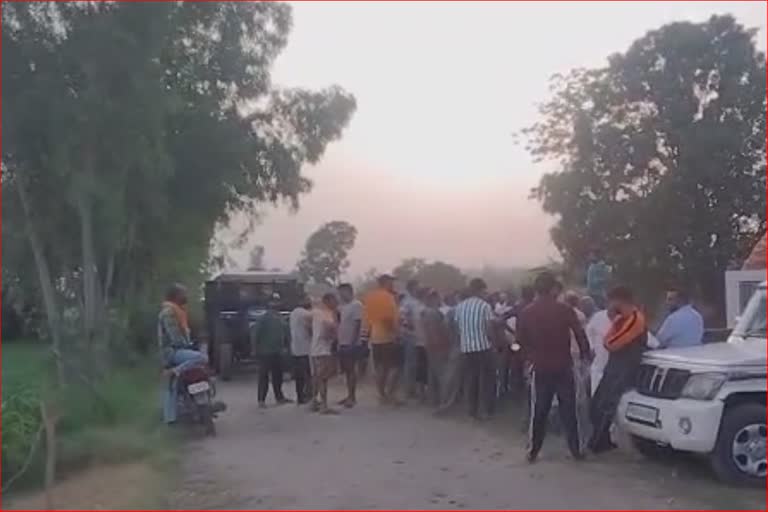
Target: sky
[{"x": 428, "y": 166}]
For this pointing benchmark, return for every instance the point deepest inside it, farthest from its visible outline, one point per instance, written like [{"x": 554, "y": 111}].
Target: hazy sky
[{"x": 428, "y": 166}]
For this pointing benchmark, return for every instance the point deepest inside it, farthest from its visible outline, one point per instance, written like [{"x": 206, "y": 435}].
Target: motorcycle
[{"x": 196, "y": 390}]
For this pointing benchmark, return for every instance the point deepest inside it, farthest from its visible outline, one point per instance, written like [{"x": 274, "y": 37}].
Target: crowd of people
[{"x": 469, "y": 347}]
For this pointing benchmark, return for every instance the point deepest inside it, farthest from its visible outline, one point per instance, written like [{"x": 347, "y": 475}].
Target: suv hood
[{"x": 750, "y": 352}]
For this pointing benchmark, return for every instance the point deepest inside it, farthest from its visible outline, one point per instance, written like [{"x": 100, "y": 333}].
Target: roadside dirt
[
  {"x": 119, "y": 487},
  {"x": 381, "y": 458}
]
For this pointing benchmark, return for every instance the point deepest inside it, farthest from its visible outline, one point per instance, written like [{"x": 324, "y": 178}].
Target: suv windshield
[
  {"x": 752, "y": 322},
  {"x": 248, "y": 296}
]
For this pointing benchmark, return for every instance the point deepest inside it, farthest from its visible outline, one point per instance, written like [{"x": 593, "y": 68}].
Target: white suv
[{"x": 708, "y": 399}]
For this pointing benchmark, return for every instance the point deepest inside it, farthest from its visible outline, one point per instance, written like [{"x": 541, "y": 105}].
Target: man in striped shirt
[{"x": 474, "y": 317}]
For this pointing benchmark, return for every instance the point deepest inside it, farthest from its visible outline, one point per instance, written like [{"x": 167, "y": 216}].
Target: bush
[{"x": 114, "y": 420}]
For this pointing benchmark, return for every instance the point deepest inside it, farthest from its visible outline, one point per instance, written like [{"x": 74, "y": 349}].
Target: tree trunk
[
  {"x": 90, "y": 286},
  {"x": 44, "y": 276},
  {"x": 50, "y": 418}
]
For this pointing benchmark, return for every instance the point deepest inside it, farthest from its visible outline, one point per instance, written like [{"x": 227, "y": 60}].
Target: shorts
[
  {"x": 349, "y": 355},
  {"x": 323, "y": 367},
  {"x": 387, "y": 356}
]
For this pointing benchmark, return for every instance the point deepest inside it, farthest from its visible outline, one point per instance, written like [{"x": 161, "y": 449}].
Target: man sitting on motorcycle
[{"x": 176, "y": 347}]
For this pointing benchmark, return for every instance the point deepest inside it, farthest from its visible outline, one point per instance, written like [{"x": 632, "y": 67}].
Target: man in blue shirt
[
  {"x": 598, "y": 278},
  {"x": 684, "y": 326}
]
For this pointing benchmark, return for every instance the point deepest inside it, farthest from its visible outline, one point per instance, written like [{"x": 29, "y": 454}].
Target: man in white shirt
[
  {"x": 597, "y": 328},
  {"x": 300, "y": 323}
]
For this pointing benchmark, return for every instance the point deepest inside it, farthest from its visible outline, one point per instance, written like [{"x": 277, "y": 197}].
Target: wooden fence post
[{"x": 50, "y": 417}]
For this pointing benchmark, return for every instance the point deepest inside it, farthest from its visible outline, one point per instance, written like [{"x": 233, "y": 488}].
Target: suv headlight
[{"x": 704, "y": 386}]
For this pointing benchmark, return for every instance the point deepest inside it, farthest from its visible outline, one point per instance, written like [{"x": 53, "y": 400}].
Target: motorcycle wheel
[{"x": 206, "y": 419}]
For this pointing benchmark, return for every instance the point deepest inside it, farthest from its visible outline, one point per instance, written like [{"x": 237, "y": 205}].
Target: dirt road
[{"x": 381, "y": 458}]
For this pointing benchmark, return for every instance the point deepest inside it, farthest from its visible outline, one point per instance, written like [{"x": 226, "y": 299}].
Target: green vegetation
[
  {"x": 673, "y": 126},
  {"x": 135, "y": 131},
  {"x": 117, "y": 422},
  {"x": 325, "y": 255}
]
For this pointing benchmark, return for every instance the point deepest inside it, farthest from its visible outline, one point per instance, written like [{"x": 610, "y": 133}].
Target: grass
[{"x": 118, "y": 423}]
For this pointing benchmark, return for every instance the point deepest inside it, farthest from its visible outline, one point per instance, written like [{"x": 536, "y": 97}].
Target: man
[
  {"x": 684, "y": 326},
  {"x": 438, "y": 346},
  {"x": 270, "y": 337},
  {"x": 420, "y": 370},
  {"x": 625, "y": 343},
  {"x": 588, "y": 307},
  {"x": 474, "y": 319},
  {"x": 176, "y": 347},
  {"x": 581, "y": 371},
  {"x": 323, "y": 363},
  {"x": 409, "y": 307},
  {"x": 382, "y": 322},
  {"x": 350, "y": 346},
  {"x": 544, "y": 330},
  {"x": 300, "y": 322},
  {"x": 597, "y": 329},
  {"x": 454, "y": 365},
  {"x": 598, "y": 277},
  {"x": 503, "y": 307}
]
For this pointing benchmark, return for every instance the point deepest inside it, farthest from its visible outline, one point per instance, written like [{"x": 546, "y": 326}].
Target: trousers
[
  {"x": 179, "y": 359},
  {"x": 604, "y": 403},
  {"x": 545, "y": 385},
  {"x": 301, "y": 376},
  {"x": 480, "y": 382},
  {"x": 270, "y": 368}
]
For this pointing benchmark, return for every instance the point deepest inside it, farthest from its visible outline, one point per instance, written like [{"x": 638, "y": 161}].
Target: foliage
[
  {"x": 133, "y": 130},
  {"x": 504, "y": 278},
  {"x": 661, "y": 156},
  {"x": 367, "y": 281},
  {"x": 325, "y": 254},
  {"x": 439, "y": 275},
  {"x": 119, "y": 424},
  {"x": 408, "y": 269}
]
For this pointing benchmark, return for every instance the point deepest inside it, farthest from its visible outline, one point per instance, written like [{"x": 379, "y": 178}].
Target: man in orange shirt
[{"x": 382, "y": 319}]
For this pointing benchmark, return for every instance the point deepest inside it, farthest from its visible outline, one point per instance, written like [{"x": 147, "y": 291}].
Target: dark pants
[
  {"x": 544, "y": 386},
  {"x": 270, "y": 365},
  {"x": 604, "y": 403},
  {"x": 301, "y": 375},
  {"x": 480, "y": 382}
]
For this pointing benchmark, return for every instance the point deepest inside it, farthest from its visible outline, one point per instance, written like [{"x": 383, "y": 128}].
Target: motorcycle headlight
[{"x": 704, "y": 386}]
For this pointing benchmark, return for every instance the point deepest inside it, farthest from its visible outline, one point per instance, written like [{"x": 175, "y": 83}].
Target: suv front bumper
[{"x": 683, "y": 424}]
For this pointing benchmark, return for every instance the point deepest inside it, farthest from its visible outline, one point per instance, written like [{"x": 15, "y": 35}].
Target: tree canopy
[
  {"x": 438, "y": 275},
  {"x": 660, "y": 156},
  {"x": 131, "y": 130},
  {"x": 325, "y": 255}
]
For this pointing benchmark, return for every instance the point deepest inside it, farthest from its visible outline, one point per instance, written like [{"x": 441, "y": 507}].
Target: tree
[
  {"x": 131, "y": 131},
  {"x": 256, "y": 258},
  {"x": 408, "y": 269},
  {"x": 324, "y": 258},
  {"x": 661, "y": 156},
  {"x": 367, "y": 282},
  {"x": 439, "y": 275}
]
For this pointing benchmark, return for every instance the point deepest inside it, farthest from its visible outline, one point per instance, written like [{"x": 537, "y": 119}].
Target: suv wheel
[{"x": 739, "y": 455}]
